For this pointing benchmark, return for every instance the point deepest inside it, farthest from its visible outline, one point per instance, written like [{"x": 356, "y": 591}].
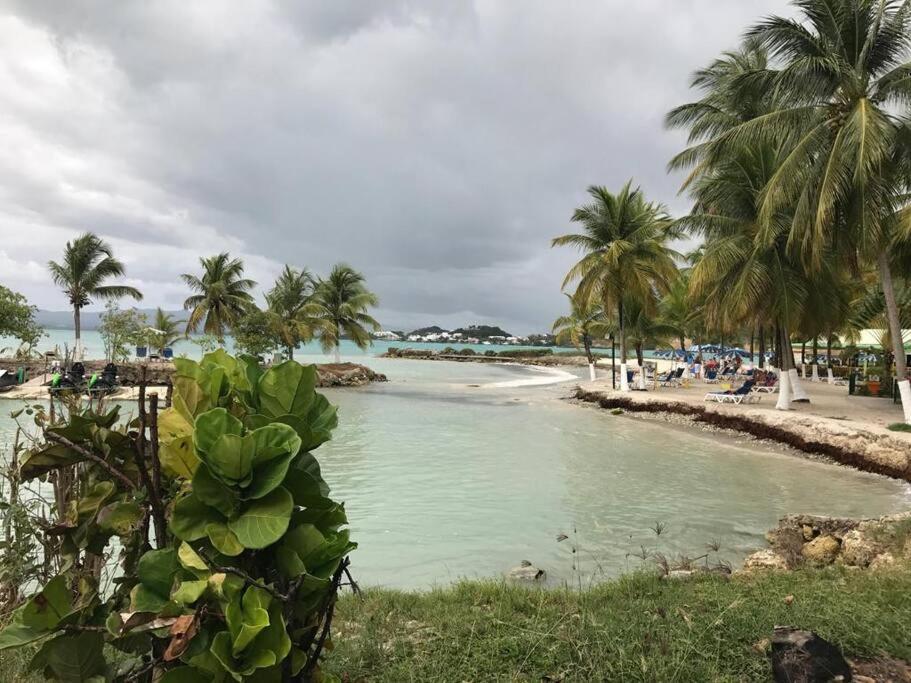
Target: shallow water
[{"x": 450, "y": 470}]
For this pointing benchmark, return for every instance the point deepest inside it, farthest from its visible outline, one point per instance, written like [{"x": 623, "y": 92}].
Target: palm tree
[
  {"x": 680, "y": 314},
  {"x": 645, "y": 330},
  {"x": 222, "y": 295},
  {"x": 342, "y": 301},
  {"x": 626, "y": 255},
  {"x": 585, "y": 323},
  {"x": 292, "y": 307},
  {"x": 844, "y": 83},
  {"x": 88, "y": 263},
  {"x": 168, "y": 330}
]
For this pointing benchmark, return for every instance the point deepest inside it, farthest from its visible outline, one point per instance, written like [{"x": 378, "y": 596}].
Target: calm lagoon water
[{"x": 446, "y": 477}]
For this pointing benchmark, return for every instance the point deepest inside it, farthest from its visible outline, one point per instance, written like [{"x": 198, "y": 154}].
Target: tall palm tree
[
  {"x": 645, "y": 330},
  {"x": 626, "y": 254},
  {"x": 292, "y": 308},
  {"x": 222, "y": 295},
  {"x": 168, "y": 330},
  {"x": 88, "y": 262},
  {"x": 585, "y": 323},
  {"x": 342, "y": 303},
  {"x": 679, "y": 312},
  {"x": 844, "y": 83}
]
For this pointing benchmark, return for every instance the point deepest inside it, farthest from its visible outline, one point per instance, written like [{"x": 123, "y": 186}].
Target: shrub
[
  {"x": 241, "y": 580},
  {"x": 900, "y": 427},
  {"x": 467, "y": 352}
]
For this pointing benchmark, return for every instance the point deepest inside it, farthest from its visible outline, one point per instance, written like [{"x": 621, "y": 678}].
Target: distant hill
[
  {"x": 433, "y": 329},
  {"x": 482, "y": 331},
  {"x": 63, "y": 320}
]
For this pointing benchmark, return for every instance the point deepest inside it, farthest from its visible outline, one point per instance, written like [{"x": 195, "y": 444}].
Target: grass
[
  {"x": 900, "y": 427},
  {"x": 637, "y": 628}
]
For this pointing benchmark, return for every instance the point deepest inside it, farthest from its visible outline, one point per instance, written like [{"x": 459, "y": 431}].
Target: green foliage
[
  {"x": 341, "y": 302},
  {"x": 222, "y": 295},
  {"x": 900, "y": 427},
  {"x": 246, "y": 576},
  {"x": 122, "y": 329},
  {"x": 17, "y": 319},
  {"x": 255, "y": 332}
]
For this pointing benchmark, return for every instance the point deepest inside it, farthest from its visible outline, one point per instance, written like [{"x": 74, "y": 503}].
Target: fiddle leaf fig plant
[{"x": 243, "y": 583}]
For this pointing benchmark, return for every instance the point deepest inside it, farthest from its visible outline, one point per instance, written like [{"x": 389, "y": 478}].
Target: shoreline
[{"x": 857, "y": 445}]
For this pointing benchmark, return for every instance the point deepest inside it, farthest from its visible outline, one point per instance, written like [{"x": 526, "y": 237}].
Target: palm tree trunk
[
  {"x": 587, "y": 343},
  {"x": 803, "y": 358},
  {"x": 761, "y": 346},
  {"x": 815, "y": 360},
  {"x": 895, "y": 332},
  {"x": 290, "y": 350},
  {"x": 800, "y": 396},
  {"x": 77, "y": 327},
  {"x": 829, "y": 374},
  {"x": 338, "y": 343},
  {"x": 641, "y": 362},
  {"x": 624, "y": 383},
  {"x": 686, "y": 363},
  {"x": 784, "y": 377},
  {"x": 613, "y": 362}
]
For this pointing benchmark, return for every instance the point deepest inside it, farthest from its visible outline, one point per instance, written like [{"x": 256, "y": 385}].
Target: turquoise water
[
  {"x": 94, "y": 346},
  {"x": 446, "y": 476}
]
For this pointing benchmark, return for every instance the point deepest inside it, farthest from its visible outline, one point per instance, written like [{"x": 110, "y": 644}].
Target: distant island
[{"x": 473, "y": 334}]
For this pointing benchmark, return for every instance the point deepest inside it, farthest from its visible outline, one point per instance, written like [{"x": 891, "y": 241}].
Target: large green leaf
[
  {"x": 72, "y": 658},
  {"x": 188, "y": 592},
  {"x": 247, "y": 617},
  {"x": 120, "y": 518},
  {"x": 214, "y": 493},
  {"x": 157, "y": 570},
  {"x": 268, "y": 477},
  {"x": 287, "y": 388},
  {"x": 211, "y": 426},
  {"x": 306, "y": 484},
  {"x": 264, "y": 521},
  {"x": 224, "y": 540},
  {"x": 185, "y": 674},
  {"x": 178, "y": 459},
  {"x": 269, "y": 648},
  {"x": 191, "y": 516},
  {"x": 47, "y": 608},
  {"x": 17, "y": 634},
  {"x": 273, "y": 441}
]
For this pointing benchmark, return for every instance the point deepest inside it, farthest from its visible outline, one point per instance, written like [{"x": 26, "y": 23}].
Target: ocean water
[
  {"x": 463, "y": 470},
  {"x": 59, "y": 339}
]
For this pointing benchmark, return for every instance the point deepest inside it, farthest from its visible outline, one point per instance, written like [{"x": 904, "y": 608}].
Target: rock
[
  {"x": 526, "y": 572},
  {"x": 763, "y": 560},
  {"x": 858, "y": 550},
  {"x": 680, "y": 574},
  {"x": 803, "y": 657},
  {"x": 883, "y": 561},
  {"x": 821, "y": 551},
  {"x": 807, "y": 531}
]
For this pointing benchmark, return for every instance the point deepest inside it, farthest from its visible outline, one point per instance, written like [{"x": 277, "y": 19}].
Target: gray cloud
[{"x": 437, "y": 146}]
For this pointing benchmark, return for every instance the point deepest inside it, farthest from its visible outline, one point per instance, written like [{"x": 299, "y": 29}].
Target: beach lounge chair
[
  {"x": 769, "y": 386},
  {"x": 167, "y": 353},
  {"x": 711, "y": 377},
  {"x": 743, "y": 395},
  {"x": 672, "y": 378}
]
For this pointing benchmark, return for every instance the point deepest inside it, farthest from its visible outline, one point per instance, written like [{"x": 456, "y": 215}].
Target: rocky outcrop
[
  {"x": 526, "y": 573},
  {"x": 821, "y": 551},
  {"x": 347, "y": 375},
  {"x": 821, "y": 541}
]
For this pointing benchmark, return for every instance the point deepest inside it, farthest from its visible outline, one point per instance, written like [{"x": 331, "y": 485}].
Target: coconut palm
[
  {"x": 342, "y": 301},
  {"x": 585, "y": 323},
  {"x": 88, "y": 262},
  {"x": 626, "y": 254},
  {"x": 168, "y": 330},
  {"x": 292, "y": 308},
  {"x": 844, "y": 82},
  {"x": 645, "y": 330},
  {"x": 679, "y": 312},
  {"x": 222, "y": 295}
]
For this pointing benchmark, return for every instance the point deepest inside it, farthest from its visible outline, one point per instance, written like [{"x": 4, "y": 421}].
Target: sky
[{"x": 436, "y": 146}]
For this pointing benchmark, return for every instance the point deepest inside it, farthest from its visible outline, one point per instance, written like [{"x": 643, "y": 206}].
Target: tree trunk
[
  {"x": 800, "y": 396},
  {"x": 586, "y": 342},
  {"x": 784, "y": 377},
  {"x": 761, "y": 346},
  {"x": 77, "y": 326},
  {"x": 895, "y": 332},
  {"x": 290, "y": 350},
  {"x": 686, "y": 363},
  {"x": 613, "y": 362},
  {"x": 641, "y": 362},
  {"x": 829, "y": 374},
  {"x": 624, "y": 382},
  {"x": 815, "y": 360}
]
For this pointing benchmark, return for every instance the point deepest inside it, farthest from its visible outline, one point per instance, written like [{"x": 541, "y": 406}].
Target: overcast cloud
[{"x": 436, "y": 145}]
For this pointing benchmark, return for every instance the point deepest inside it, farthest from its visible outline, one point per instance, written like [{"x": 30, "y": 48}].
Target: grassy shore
[{"x": 638, "y": 628}]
